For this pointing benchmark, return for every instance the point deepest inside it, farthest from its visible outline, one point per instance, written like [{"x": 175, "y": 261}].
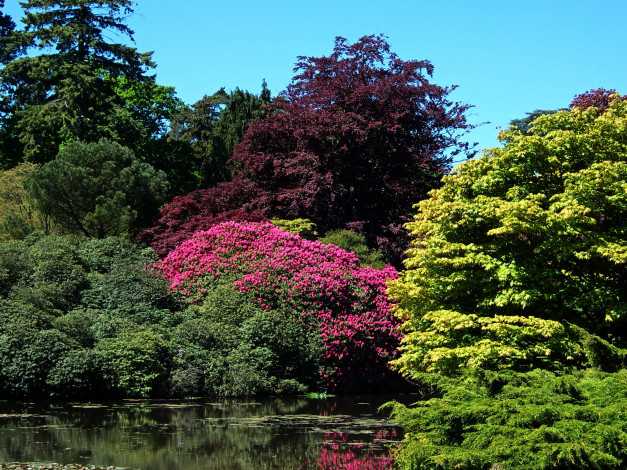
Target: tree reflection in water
[{"x": 340, "y": 433}]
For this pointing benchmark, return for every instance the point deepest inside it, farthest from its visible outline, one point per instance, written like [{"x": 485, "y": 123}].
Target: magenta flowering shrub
[{"x": 323, "y": 285}]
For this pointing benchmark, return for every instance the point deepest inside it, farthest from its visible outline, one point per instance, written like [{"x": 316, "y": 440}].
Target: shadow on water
[{"x": 263, "y": 433}]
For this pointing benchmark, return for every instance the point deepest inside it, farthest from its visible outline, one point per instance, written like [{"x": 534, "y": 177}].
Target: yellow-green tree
[
  {"x": 18, "y": 216},
  {"x": 520, "y": 258}
]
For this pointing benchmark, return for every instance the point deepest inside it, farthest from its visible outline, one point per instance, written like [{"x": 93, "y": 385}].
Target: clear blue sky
[{"x": 507, "y": 57}]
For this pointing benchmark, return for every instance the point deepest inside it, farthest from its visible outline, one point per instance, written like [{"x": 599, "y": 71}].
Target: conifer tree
[{"x": 64, "y": 89}]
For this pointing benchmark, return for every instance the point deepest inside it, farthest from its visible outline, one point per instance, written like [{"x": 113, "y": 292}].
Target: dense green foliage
[
  {"x": 66, "y": 305},
  {"x": 355, "y": 242},
  {"x": 514, "y": 290},
  {"x": 231, "y": 346},
  {"x": 531, "y": 421},
  {"x": 519, "y": 244},
  {"x": 82, "y": 319},
  {"x": 97, "y": 190}
]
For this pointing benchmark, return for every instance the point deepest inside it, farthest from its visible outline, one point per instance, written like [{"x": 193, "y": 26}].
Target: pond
[{"x": 268, "y": 433}]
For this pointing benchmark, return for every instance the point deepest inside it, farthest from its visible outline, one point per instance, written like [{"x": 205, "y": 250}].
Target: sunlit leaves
[{"x": 516, "y": 245}]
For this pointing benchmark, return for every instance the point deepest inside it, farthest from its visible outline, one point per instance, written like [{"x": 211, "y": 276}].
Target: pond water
[{"x": 269, "y": 433}]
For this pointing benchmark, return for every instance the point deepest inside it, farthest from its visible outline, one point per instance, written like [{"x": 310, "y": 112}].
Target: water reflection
[{"x": 338, "y": 432}]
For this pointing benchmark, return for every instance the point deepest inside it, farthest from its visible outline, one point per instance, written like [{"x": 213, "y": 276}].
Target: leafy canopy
[
  {"x": 521, "y": 249},
  {"x": 355, "y": 139},
  {"x": 97, "y": 190},
  {"x": 65, "y": 84}
]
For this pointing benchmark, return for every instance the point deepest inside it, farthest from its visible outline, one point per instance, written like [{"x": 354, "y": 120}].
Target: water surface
[{"x": 268, "y": 433}]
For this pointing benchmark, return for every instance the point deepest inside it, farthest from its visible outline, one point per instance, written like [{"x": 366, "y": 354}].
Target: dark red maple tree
[
  {"x": 200, "y": 210},
  {"x": 355, "y": 140}
]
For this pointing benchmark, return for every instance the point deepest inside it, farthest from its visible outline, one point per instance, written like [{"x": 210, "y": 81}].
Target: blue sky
[{"x": 506, "y": 57}]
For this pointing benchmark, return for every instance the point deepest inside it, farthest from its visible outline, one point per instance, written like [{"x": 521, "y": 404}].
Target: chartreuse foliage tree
[
  {"x": 520, "y": 247},
  {"x": 97, "y": 189},
  {"x": 514, "y": 288},
  {"x": 18, "y": 215}
]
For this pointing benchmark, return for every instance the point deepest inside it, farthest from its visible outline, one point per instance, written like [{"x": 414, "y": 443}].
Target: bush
[
  {"x": 535, "y": 420},
  {"x": 82, "y": 373},
  {"x": 319, "y": 284},
  {"x": 229, "y": 346},
  {"x": 27, "y": 356},
  {"x": 97, "y": 189},
  {"x": 60, "y": 298},
  {"x": 139, "y": 361}
]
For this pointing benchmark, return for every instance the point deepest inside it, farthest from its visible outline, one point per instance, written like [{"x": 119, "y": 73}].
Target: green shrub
[
  {"x": 536, "y": 420},
  {"x": 355, "y": 242},
  {"x": 139, "y": 361},
  {"x": 27, "y": 356},
  {"x": 231, "y": 347},
  {"x": 78, "y": 325},
  {"x": 82, "y": 373}
]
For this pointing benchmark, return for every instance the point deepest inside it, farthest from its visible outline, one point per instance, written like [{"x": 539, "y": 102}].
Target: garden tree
[
  {"x": 7, "y": 26},
  {"x": 355, "y": 140},
  {"x": 214, "y": 125},
  {"x": 195, "y": 125},
  {"x": 18, "y": 216},
  {"x": 241, "y": 109},
  {"x": 64, "y": 87},
  {"x": 8, "y": 139},
  {"x": 151, "y": 108},
  {"x": 520, "y": 258},
  {"x": 97, "y": 190}
]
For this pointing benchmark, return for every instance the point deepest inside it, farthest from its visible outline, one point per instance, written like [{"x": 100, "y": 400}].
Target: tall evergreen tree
[
  {"x": 8, "y": 139},
  {"x": 67, "y": 92},
  {"x": 214, "y": 125},
  {"x": 7, "y": 26},
  {"x": 242, "y": 108}
]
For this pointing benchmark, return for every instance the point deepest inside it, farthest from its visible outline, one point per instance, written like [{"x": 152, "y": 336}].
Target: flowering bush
[{"x": 323, "y": 285}]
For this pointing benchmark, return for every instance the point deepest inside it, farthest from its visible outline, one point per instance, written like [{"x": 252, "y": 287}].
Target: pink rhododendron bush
[{"x": 322, "y": 285}]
